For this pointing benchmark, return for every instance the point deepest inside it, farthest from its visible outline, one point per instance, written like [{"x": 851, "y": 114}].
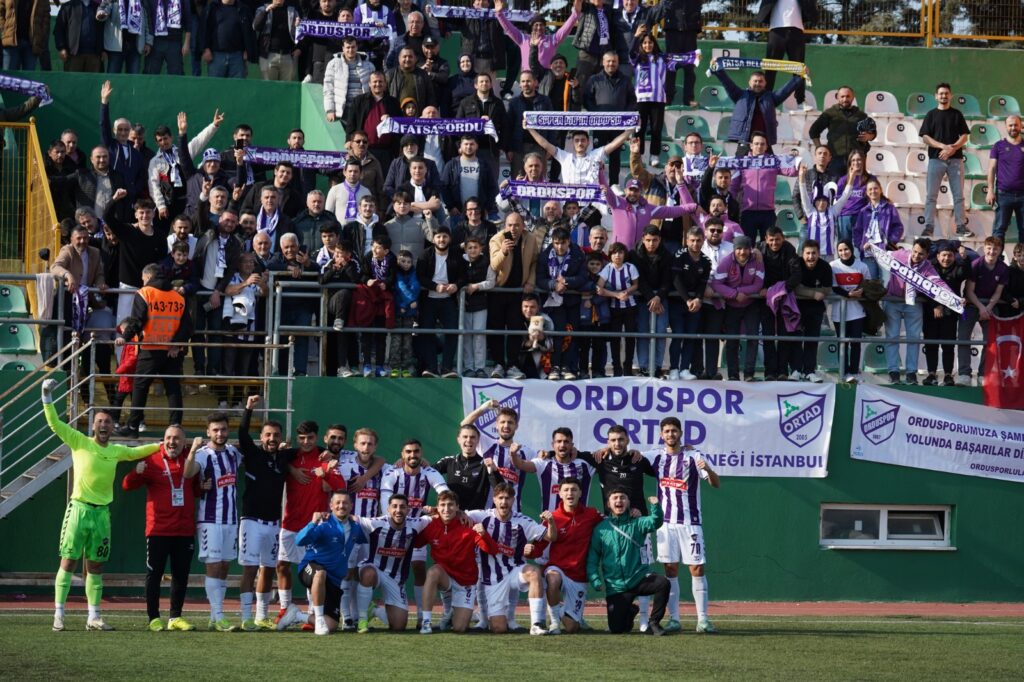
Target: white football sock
[
  {"x": 58, "y": 609},
  {"x": 94, "y": 612},
  {"x": 318, "y": 611},
  {"x": 285, "y": 597},
  {"x": 262, "y": 602},
  {"x": 673, "y": 598},
  {"x": 246, "y": 598},
  {"x": 557, "y": 611},
  {"x": 537, "y": 610},
  {"x": 446, "y": 601},
  {"x": 364, "y": 595},
  {"x": 309, "y": 602},
  {"x": 348, "y": 601},
  {"x": 700, "y": 596},
  {"x": 645, "y": 611},
  {"x": 211, "y": 596}
]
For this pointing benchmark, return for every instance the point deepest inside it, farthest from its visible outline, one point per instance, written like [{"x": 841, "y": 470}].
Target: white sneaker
[
  {"x": 655, "y": 160},
  {"x": 815, "y": 378},
  {"x": 291, "y": 616},
  {"x": 673, "y": 375},
  {"x": 555, "y": 629},
  {"x": 339, "y": 324},
  {"x": 687, "y": 375},
  {"x": 345, "y": 372},
  {"x": 538, "y": 630},
  {"x": 498, "y": 372},
  {"x": 807, "y": 107},
  {"x": 95, "y": 624},
  {"x": 514, "y": 373},
  {"x": 58, "y": 622},
  {"x": 796, "y": 376},
  {"x": 644, "y": 627},
  {"x": 321, "y": 627},
  {"x": 513, "y": 626},
  {"x": 851, "y": 379},
  {"x": 963, "y": 380},
  {"x": 569, "y": 375},
  {"x": 426, "y": 628}
]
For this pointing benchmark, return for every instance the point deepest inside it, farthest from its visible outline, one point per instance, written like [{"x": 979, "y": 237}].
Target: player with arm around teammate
[
  {"x": 453, "y": 546},
  {"x": 86, "y": 526},
  {"x": 328, "y": 539},
  {"x": 681, "y": 538}
]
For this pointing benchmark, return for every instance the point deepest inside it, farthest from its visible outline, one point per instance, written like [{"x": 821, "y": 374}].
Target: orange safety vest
[{"x": 163, "y": 318}]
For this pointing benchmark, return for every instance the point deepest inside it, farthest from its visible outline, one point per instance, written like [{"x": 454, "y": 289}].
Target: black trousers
[
  {"x": 603, "y": 137},
  {"x": 504, "y": 312},
  {"x": 623, "y": 320},
  {"x": 157, "y": 362},
  {"x": 712, "y": 323},
  {"x": 805, "y": 353},
  {"x": 676, "y": 42},
  {"x": 653, "y": 114},
  {"x": 789, "y": 43},
  {"x": 622, "y": 611},
  {"x": 160, "y": 548},
  {"x": 942, "y": 329},
  {"x": 776, "y": 353}
]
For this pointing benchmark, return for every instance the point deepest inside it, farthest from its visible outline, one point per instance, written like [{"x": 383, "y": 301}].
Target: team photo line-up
[{"x": 353, "y": 525}]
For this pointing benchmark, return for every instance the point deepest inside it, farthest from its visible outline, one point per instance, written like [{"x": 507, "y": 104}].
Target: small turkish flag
[{"x": 1004, "y": 363}]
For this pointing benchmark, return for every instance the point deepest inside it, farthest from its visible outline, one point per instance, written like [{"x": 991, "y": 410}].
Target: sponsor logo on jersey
[
  {"x": 368, "y": 494},
  {"x": 392, "y": 551},
  {"x": 510, "y": 475},
  {"x": 226, "y": 480},
  {"x": 676, "y": 483}
]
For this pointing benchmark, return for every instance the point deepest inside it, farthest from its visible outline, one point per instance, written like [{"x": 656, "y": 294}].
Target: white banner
[
  {"x": 768, "y": 429},
  {"x": 912, "y": 430}
]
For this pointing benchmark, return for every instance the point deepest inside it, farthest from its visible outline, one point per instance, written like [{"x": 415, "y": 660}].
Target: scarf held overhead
[
  {"x": 521, "y": 189},
  {"x": 448, "y": 12},
  {"x": 932, "y": 287},
  {"x": 733, "y": 63},
  {"x": 763, "y": 162},
  {"x": 300, "y": 158},
  {"x": 26, "y": 87},
  {"x": 337, "y": 31},
  {"x": 444, "y": 127},
  {"x": 549, "y": 120}
]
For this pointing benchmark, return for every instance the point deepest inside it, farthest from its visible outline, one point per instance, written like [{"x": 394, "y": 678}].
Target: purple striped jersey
[
  {"x": 506, "y": 469},
  {"x": 511, "y": 536},
  {"x": 649, "y": 79},
  {"x": 414, "y": 486},
  {"x": 390, "y": 547},
  {"x": 620, "y": 279},
  {"x": 678, "y": 484},
  {"x": 550, "y": 473},
  {"x": 366, "y": 502},
  {"x": 219, "y": 504}
]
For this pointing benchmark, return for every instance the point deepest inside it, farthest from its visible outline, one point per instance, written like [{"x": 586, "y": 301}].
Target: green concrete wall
[{"x": 762, "y": 534}]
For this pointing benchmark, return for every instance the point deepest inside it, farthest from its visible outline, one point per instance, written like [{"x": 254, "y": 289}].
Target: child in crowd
[
  {"x": 822, "y": 212},
  {"x": 481, "y": 277},
  {"x": 407, "y": 293},
  {"x": 178, "y": 270},
  {"x": 380, "y": 269},
  {"x": 617, "y": 282},
  {"x": 329, "y": 238},
  {"x": 594, "y": 317},
  {"x": 343, "y": 269},
  {"x": 125, "y": 368}
]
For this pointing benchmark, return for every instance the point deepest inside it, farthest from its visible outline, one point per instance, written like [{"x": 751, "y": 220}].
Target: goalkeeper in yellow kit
[{"x": 86, "y": 526}]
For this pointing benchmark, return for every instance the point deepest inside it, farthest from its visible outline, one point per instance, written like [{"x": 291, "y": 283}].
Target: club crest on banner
[
  {"x": 878, "y": 420},
  {"x": 507, "y": 396},
  {"x": 801, "y": 416}
]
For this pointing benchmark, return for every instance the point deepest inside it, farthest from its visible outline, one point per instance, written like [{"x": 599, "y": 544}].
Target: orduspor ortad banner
[
  {"x": 742, "y": 429},
  {"x": 911, "y": 430}
]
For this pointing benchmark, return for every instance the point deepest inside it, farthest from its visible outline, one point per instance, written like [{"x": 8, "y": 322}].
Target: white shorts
[
  {"x": 463, "y": 597},
  {"x": 680, "y": 543},
  {"x": 418, "y": 554},
  {"x": 217, "y": 542},
  {"x": 360, "y": 553},
  {"x": 257, "y": 543},
  {"x": 287, "y": 550},
  {"x": 391, "y": 592},
  {"x": 497, "y": 596},
  {"x": 574, "y": 595}
]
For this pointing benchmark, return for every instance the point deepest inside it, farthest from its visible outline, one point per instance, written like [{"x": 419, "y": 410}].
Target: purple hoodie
[
  {"x": 758, "y": 186},
  {"x": 731, "y": 278},
  {"x": 890, "y": 227}
]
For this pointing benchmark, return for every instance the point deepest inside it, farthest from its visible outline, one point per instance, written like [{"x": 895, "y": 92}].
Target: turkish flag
[{"x": 1004, "y": 363}]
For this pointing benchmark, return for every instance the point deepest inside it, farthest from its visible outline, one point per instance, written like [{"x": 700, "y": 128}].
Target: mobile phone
[
  {"x": 508, "y": 235},
  {"x": 239, "y": 144}
]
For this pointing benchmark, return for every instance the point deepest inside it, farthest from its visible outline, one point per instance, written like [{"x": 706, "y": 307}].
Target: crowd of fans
[{"x": 418, "y": 225}]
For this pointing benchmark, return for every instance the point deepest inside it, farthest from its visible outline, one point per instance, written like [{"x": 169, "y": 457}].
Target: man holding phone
[
  {"x": 514, "y": 257},
  {"x": 296, "y": 261}
]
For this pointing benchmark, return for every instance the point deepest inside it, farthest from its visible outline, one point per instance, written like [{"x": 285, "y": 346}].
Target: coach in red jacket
[{"x": 170, "y": 521}]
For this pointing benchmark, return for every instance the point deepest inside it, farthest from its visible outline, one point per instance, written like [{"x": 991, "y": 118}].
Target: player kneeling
[
  {"x": 329, "y": 539},
  {"x": 453, "y": 549}
]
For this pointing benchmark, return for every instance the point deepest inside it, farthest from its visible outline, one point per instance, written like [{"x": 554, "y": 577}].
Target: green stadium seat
[
  {"x": 983, "y": 136},
  {"x": 723, "y": 128},
  {"x": 783, "y": 192},
  {"x": 978, "y": 202},
  {"x": 828, "y": 353},
  {"x": 672, "y": 149},
  {"x": 968, "y": 106},
  {"x": 787, "y": 222},
  {"x": 13, "y": 301},
  {"x": 714, "y": 148},
  {"x": 1001, "y": 106},
  {"x": 714, "y": 98},
  {"x": 873, "y": 357},
  {"x": 919, "y": 104},
  {"x": 692, "y": 124},
  {"x": 17, "y": 339},
  {"x": 972, "y": 167}
]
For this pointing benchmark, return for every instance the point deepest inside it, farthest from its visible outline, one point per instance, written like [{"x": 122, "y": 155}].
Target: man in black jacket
[
  {"x": 94, "y": 189},
  {"x": 777, "y": 254},
  {"x": 517, "y": 143},
  {"x": 484, "y": 104},
  {"x": 786, "y": 22},
  {"x": 690, "y": 272},
  {"x": 595, "y": 35},
  {"x": 654, "y": 263},
  {"x": 562, "y": 271},
  {"x": 439, "y": 302},
  {"x": 363, "y": 113},
  {"x": 610, "y": 90},
  {"x": 467, "y": 474}
]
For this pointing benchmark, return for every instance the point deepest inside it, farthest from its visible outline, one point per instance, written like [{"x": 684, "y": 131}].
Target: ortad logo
[
  {"x": 507, "y": 396},
  {"x": 878, "y": 420},
  {"x": 801, "y": 416}
]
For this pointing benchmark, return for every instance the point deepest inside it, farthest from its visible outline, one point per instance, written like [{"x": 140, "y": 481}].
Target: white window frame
[{"x": 885, "y": 541}]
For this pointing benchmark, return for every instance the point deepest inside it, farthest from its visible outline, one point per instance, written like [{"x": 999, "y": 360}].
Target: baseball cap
[
  {"x": 741, "y": 241},
  {"x": 429, "y": 41},
  {"x": 632, "y": 182},
  {"x": 211, "y": 154}
]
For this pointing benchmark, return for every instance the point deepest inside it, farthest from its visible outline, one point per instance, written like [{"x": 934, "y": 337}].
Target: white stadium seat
[
  {"x": 917, "y": 163},
  {"x": 880, "y": 103},
  {"x": 904, "y": 194},
  {"x": 882, "y": 161},
  {"x": 902, "y": 132}
]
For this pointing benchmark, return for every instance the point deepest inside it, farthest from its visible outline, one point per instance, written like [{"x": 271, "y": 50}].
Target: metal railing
[
  {"x": 979, "y": 20},
  {"x": 28, "y": 221}
]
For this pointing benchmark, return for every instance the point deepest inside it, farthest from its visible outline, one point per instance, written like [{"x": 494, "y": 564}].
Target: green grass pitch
[{"x": 746, "y": 648}]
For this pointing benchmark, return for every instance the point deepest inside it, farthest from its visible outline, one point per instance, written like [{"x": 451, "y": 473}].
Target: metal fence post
[
  {"x": 652, "y": 343},
  {"x": 290, "y": 385},
  {"x": 460, "y": 344}
]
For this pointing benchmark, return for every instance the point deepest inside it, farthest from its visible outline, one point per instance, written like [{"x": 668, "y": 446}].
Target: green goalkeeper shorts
[{"x": 85, "y": 528}]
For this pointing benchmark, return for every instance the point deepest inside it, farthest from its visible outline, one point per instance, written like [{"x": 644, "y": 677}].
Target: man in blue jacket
[
  {"x": 755, "y": 108},
  {"x": 329, "y": 539}
]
